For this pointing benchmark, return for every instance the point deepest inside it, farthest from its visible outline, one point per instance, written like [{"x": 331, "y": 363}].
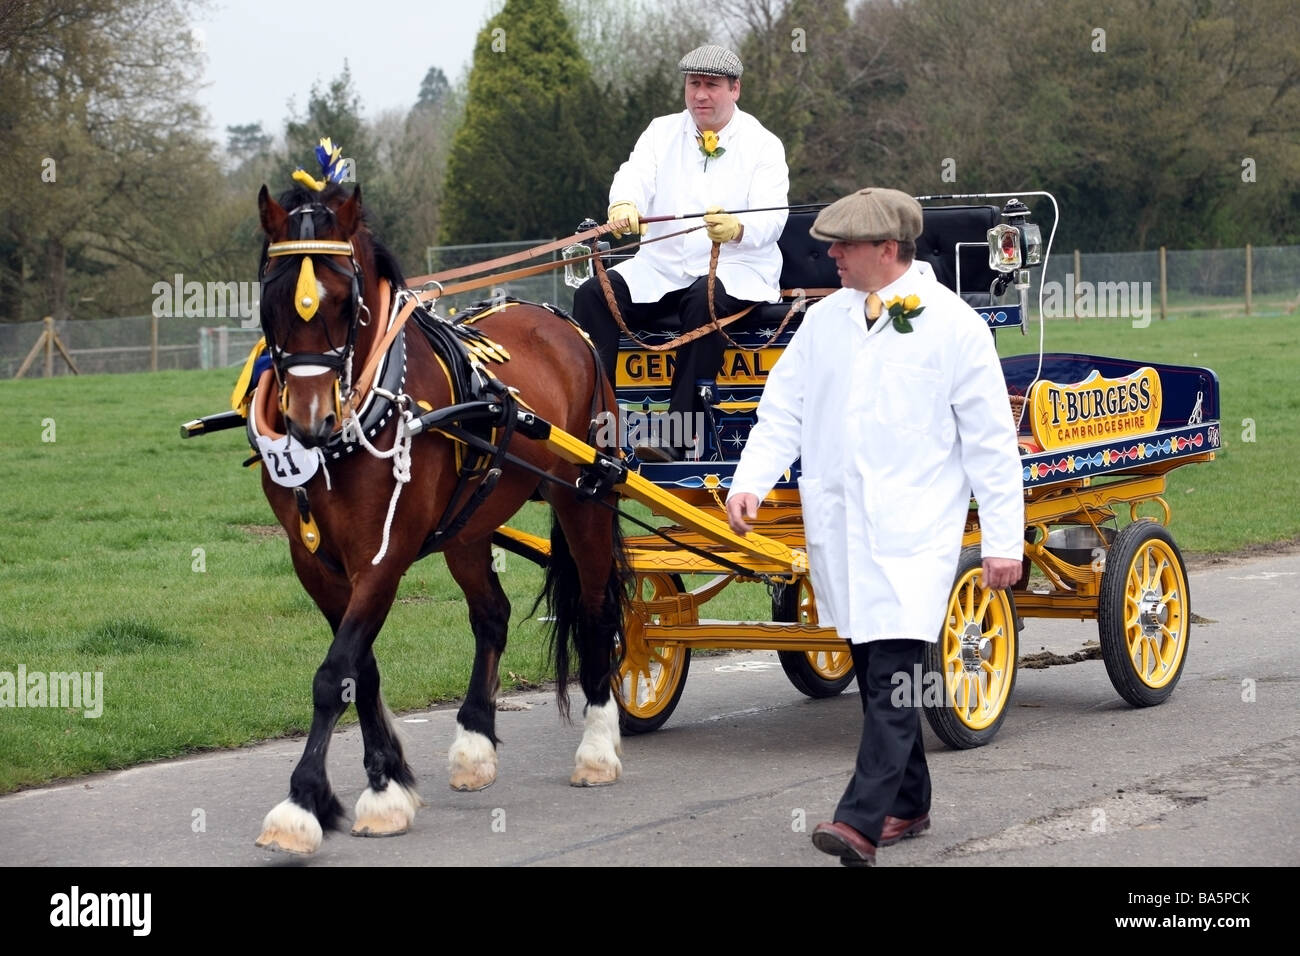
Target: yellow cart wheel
[
  {"x": 652, "y": 677},
  {"x": 1144, "y": 613},
  {"x": 817, "y": 674},
  {"x": 971, "y": 669}
]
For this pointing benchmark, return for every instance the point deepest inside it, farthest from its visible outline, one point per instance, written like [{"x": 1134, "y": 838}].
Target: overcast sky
[{"x": 262, "y": 53}]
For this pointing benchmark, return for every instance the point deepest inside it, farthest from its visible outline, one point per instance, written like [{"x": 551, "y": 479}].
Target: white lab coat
[
  {"x": 895, "y": 431},
  {"x": 666, "y": 175}
]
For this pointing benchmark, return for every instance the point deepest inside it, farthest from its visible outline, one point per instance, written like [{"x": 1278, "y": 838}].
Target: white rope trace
[{"x": 400, "y": 453}]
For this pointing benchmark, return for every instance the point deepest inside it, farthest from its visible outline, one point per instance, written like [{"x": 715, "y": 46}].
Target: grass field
[{"x": 127, "y": 551}]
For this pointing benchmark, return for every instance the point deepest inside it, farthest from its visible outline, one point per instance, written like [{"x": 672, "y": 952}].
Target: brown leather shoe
[
  {"x": 840, "y": 839},
  {"x": 896, "y": 828}
]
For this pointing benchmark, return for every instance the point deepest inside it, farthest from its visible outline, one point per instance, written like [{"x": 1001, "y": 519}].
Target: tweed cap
[
  {"x": 869, "y": 214},
  {"x": 711, "y": 60}
]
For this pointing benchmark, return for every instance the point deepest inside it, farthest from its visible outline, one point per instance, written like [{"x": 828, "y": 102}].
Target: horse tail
[{"x": 573, "y": 631}]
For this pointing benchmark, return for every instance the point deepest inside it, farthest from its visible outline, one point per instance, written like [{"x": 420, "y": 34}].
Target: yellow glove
[
  {"x": 722, "y": 226},
  {"x": 624, "y": 209}
]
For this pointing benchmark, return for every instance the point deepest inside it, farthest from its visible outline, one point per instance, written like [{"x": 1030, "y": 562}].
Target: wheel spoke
[{"x": 985, "y": 599}]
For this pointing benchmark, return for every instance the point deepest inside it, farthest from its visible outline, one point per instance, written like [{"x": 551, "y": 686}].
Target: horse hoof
[
  {"x": 594, "y": 776},
  {"x": 290, "y": 829},
  {"x": 472, "y": 761},
  {"x": 473, "y": 779},
  {"x": 388, "y": 812},
  {"x": 596, "y": 762}
]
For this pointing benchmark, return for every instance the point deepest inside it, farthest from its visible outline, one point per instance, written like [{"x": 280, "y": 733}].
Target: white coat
[
  {"x": 666, "y": 175},
  {"x": 895, "y": 430}
]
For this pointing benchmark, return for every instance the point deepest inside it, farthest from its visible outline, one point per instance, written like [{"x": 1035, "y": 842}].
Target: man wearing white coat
[
  {"x": 712, "y": 155},
  {"x": 896, "y": 418}
]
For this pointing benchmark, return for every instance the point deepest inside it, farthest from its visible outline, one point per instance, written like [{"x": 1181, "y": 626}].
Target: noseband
[{"x": 305, "y": 250}]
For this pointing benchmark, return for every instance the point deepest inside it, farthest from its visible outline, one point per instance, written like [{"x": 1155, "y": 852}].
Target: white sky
[{"x": 262, "y": 53}]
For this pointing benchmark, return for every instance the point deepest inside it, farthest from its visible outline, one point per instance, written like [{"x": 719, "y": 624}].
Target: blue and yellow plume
[{"x": 333, "y": 168}]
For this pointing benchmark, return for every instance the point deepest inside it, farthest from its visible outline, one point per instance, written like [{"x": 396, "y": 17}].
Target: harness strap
[
  {"x": 511, "y": 259},
  {"x": 358, "y": 393}
]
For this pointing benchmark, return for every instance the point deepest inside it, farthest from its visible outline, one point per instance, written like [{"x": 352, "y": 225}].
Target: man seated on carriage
[{"x": 712, "y": 155}]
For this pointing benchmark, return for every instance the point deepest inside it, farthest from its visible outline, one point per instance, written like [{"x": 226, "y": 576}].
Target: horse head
[{"x": 315, "y": 263}]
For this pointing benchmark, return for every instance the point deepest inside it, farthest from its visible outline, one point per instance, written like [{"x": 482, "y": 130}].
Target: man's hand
[
  {"x": 625, "y": 219},
  {"x": 1001, "y": 572},
  {"x": 722, "y": 226},
  {"x": 740, "y": 507}
]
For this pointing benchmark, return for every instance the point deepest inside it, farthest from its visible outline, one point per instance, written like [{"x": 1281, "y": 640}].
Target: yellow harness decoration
[
  {"x": 304, "y": 294},
  {"x": 308, "y": 531}
]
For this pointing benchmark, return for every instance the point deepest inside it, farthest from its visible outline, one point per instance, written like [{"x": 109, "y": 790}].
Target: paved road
[{"x": 747, "y": 766}]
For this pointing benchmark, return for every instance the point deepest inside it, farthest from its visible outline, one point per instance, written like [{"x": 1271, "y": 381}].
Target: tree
[
  {"x": 103, "y": 141},
  {"x": 246, "y": 141},
  {"x": 522, "y": 164},
  {"x": 433, "y": 88}
]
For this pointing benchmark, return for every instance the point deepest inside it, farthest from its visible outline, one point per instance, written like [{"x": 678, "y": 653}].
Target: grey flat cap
[
  {"x": 867, "y": 215},
  {"x": 711, "y": 60}
]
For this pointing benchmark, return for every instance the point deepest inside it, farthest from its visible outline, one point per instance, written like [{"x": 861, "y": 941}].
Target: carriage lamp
[
  {"x": 1004, "y": 248},
  {"x": 1030, "y": 237},
  {"x": 576, "y": 273}
]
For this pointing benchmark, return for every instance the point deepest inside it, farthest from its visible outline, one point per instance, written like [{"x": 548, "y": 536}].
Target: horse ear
[
  {"x": 349, "y": 214},
  {"x": 272, "y": 213}
]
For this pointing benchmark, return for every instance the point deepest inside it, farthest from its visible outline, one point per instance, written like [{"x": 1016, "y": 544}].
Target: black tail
[{"x": 574, "y": 632}]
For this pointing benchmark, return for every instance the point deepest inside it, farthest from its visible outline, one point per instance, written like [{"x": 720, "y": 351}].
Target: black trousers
[
  {"x": 891, "y": 777},
  {"x": 695, "y": 360}
]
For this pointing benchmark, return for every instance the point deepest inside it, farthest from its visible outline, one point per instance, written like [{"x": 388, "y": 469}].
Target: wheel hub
[
  {"x": 975, "y": 647},
  {"x": 1153, "y": 613}
]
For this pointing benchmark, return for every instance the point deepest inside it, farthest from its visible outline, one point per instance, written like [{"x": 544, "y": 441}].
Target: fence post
[
  {"x": 153, "y": 342},
  {"x": 49, "y": 346},
  {"x": 1164, "y": 286},
  {"x": 1249, "y": 258},
  {"x": 1078, "y": 273}
]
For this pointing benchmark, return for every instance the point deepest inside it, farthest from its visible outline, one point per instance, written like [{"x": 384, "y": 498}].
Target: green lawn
[{"x": 99, "y": 569}]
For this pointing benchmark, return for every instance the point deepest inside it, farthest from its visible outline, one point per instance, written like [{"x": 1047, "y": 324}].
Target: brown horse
[{"x": 355, "y": 526}]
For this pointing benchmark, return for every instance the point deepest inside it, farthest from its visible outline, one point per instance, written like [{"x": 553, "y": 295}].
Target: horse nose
[
  {"x": 324, "y": 428},
  {"x": 314, "y": 435}
]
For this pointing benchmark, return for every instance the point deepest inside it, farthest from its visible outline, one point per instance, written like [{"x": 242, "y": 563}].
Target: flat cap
[
  {"x": 711, "y": 60},
  {"x": 867, "y": 215}
]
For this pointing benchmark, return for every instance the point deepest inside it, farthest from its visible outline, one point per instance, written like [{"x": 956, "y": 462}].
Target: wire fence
[{"x": 1152, "y": 285}]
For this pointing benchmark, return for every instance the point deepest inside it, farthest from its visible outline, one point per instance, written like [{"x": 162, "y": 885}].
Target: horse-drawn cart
[
  {"x": 1098, "y": 438},
  {"x": 335, "y": 406}
]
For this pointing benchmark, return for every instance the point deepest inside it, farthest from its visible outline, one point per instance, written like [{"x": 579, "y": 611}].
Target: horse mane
[{"x": 386, "y": 264}]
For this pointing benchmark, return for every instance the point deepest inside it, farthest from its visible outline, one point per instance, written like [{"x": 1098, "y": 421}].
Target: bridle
[{"x": 305, "y": 250}]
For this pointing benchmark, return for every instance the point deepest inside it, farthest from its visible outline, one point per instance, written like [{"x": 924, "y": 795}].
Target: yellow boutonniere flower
[
  {"x": 708, "y": 143},
  {"x": 902, "y": 309}
]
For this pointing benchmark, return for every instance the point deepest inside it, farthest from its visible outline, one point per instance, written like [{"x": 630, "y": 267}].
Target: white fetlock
[
  {"x": 472, "y": 760},
  {"x": 290, "y": 828},
  {"x": 597, "y": 758},
  {"x": 387, "y": 812}
]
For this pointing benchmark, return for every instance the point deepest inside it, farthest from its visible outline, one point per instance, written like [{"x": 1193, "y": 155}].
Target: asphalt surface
[{"x": 747, "y": 766}]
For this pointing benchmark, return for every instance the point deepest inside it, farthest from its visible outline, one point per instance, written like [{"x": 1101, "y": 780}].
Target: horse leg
[
  {"x": 388, "y": 805},
  {"x": 587, "y": 591},
  {"x": 472, "y": 758},
  {"x": 297, "y": 824}
]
